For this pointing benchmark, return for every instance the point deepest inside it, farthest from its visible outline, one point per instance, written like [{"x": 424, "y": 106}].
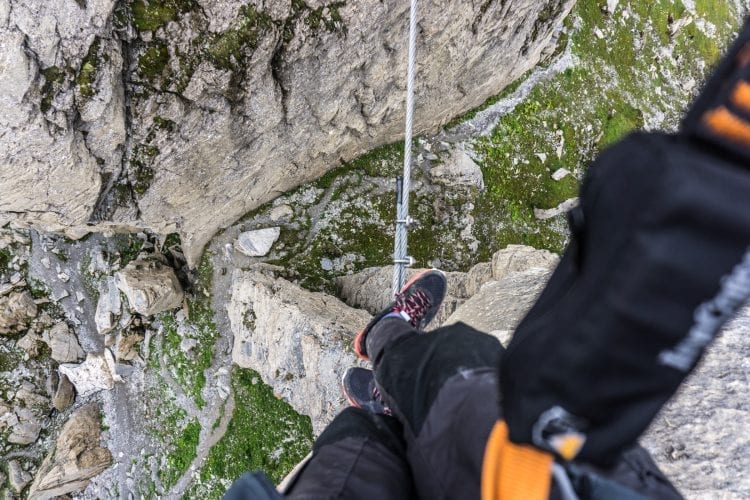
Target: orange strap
[
  {"x": 723, "y": 122},
  {"x": 514, "y": 472},
  {"x": 741, "y": 96}
]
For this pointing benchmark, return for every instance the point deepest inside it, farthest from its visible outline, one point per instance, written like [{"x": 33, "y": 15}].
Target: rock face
[
  {"x": 221, "y": 113},
  {"x": 150, "y": 286},
  {"x": 75, "y": 458},
  {"x": 702, "y": 437},
  {"x": 299, "y": 341},
  {"x": 16, "y": 310},
  {"x": 514, "y": 295}
]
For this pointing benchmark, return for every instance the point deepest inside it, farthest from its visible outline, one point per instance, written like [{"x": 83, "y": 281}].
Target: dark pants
[{"x": 442, "y": 388}]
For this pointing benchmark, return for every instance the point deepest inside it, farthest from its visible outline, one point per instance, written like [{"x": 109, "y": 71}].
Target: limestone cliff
[{"x": 183, "y": 115}]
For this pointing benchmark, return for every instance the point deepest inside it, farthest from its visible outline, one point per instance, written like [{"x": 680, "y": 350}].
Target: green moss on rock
[
  {"x": 227, "y": 50},
  {"x": 152, "y": 62},
  {"x": 87, "y": 74},
  {"x": 149, "y": 15},
  {"x": 143, "y": 173},
  {"x": 265, "y": 433}
]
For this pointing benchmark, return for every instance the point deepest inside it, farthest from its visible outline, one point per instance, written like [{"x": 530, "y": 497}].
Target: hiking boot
[
  {"x": 417, "y": 302},
  {"x": 361, "y": 392}
]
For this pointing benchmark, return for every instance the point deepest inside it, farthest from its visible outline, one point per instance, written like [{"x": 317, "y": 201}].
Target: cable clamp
[
  {"x": 408, "y": 261},
  {"x": 408, "y": 221}
]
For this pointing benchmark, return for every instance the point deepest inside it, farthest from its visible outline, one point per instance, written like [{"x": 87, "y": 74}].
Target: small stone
[
  {"x": 598, "y": 33},
  {"x": 96, "y": 373},
  {"x": 543, "y": 214},
  {"x": 326, "y": 264},
  {"x": 30, "y": 344},
  {"x": 64, "y": 277},
  {"x": 127, "y": 346},
  {"x": 109, "y": 305},
  {"x": 15, "y": 278},
  {"x": 187, "y": 344},
  {"x": 542, "y": 157},
  {"x": 80, "y": 297},
  {"x": 64, "y": 395},
  {"x": 17, "y": 477},
  {"x": 64, "y": 344},
  {"x": 560, "y": 174},
  {"x": 27, "y": 427},
  {"x": 259, "y": 242},
  {"x": 59, "y": 295},
  {"x": 17, "y": 309},
  {"x": 45, "y": 262},
  {"x": 281, "y": 212}
]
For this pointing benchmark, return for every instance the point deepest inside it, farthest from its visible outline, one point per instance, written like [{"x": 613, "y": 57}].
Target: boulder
[
  {"x": 29, "y": 343},
  {"x": 259, "y": 242},
  {"x": 29, "y": 396},
  {"x": 17, "y": 309},
  {"x": 126, "y": 346},
  {"x": 515, "y": 258},
  {"x": 95, "y": 374},
  {"x": 299, "y": 341},
  {"x": 75, "y": 458},
  {"x": 150, "y": 286},
  {"x": 63, "y": 343},
  {"x": 370, "y": 289}
]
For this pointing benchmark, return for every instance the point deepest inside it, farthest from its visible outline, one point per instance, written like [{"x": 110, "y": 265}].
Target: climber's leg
[{"x": 359, "y": 455}]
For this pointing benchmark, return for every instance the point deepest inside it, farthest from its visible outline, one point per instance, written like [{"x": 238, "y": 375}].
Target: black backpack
[{"x": 657, "y": 263}]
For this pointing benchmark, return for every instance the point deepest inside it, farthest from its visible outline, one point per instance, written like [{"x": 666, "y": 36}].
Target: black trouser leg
[
  {"x": 360, "y": 455},
  {"x": 443, "y": 387}
]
